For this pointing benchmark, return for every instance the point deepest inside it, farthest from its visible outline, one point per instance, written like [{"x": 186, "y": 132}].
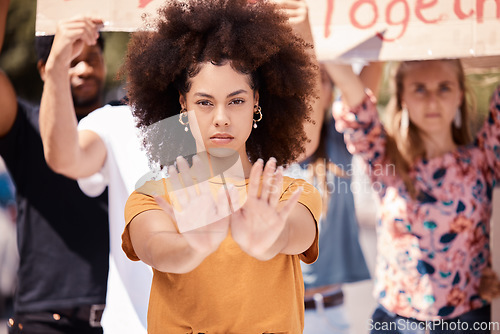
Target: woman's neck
[
  {"x": 438, "y": 144},
  {"x": 235, "y": 165}
]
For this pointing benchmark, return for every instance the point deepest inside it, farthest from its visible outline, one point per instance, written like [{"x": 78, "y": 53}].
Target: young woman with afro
[{"x": 225, "y": 243}]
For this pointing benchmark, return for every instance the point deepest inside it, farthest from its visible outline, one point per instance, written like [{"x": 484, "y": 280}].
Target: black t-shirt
[{"x": 63, "y": 235}]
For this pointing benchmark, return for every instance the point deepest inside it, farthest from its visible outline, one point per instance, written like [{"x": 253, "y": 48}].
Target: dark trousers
[
  {"x": 52, "y": 322},
  {"x": 473, "y": 322}
]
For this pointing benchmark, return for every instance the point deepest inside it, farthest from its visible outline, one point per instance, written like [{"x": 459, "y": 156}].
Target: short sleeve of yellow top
[{"x": 230, "y": 291}]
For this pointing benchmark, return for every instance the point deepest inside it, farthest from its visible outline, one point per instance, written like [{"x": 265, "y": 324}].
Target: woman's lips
[{"x": 221, "y": 139}]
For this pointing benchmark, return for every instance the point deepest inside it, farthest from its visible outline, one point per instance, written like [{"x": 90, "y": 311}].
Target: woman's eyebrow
[
  {"x": 204, "y": 95},
  {"x": 240, "y": 91}
]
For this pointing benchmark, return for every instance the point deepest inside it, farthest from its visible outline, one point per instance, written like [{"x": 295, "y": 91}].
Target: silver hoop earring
[
  {"x": 182, "y": 114},
  {"x": 457, "y": 120},
  {"x": 405, "y": 121},
  {"x": 258, "y": 112}
]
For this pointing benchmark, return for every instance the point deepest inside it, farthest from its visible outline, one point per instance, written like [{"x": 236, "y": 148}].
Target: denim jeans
[
  {"x": 45, "y": 323},
  {"x": 331, "y": 320},
  {"x": 473, "y": 322}
]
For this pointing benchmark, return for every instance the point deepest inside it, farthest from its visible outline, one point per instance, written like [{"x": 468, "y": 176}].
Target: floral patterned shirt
[{"x": 431, "y": 249}]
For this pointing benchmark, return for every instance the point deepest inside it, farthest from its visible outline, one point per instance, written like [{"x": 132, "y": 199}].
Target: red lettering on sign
[
  {"x": 459, "y": 12},
  {"x": 354, "y": 9},
  {"x": 144, "y": 3},
  {"x": 480, "y": 10},
  {"x": 421, "y": 5},
  {"x": 404, "y": 21},
  {"x": 329, "y": 14},
  {"x": 370, "y": 14}
]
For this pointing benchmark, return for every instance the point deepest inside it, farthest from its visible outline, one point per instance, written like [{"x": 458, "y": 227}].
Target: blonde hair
[{"x": 403, "y": 151}]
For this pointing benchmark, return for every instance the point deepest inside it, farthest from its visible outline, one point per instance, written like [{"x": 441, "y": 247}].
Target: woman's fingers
[
  {"x": 272, "y": 182},
  {"x": 268, "y": 179},
  {"x": 201, "y": 175},
  {"x": 185, "y": 174},
  {"x": 173, "y": 177},
  {"x": 222, "y": 204},
  {"x": 277, "y": 188},
  {"x": 165, "y": 206},
  {"x": 234, "y": 197},
  {"x": 292, "y": 4},
  {"x": 177, "y": 189},
  {"x": 254, "y": 182}
]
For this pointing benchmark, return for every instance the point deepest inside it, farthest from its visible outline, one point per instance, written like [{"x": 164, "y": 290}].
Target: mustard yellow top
[{"x": 230, "y": 291}]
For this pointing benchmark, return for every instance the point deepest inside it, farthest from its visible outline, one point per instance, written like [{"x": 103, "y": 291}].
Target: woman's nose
[
  {"x": 221, "y": 117},
  {"x": 432, "y": 100}
]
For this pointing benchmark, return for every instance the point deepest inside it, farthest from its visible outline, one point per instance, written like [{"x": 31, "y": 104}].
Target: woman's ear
[
  {"x": 182, "y": 101},
  {"x": 256, "y": 98}
]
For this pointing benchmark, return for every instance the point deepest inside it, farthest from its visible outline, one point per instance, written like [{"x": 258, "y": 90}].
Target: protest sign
[
  {"x": 347, "y": 29},
  {"x": 118, "y": 15}
]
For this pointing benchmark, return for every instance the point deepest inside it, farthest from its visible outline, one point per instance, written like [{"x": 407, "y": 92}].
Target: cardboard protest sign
[
  {"x": 118, "y": 15},
  {"x": 347, "y": 29},
  {"x": 405, "y": 29}
]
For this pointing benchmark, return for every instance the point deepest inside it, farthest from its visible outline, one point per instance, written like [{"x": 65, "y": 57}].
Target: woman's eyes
[
  {"x": 442, "y": 89},
  {"x": 420, "y": 89},
  {"x": 237, "y": 101},
  {"x": 445, "y": 88},
  {"x": 204, "y": 103},
  {"x": 207, "y": 103}
]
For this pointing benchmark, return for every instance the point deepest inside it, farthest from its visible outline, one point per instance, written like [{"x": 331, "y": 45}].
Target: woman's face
[
  {"x": 221, "y": 104},
  {"x": 432, "y": 95}
]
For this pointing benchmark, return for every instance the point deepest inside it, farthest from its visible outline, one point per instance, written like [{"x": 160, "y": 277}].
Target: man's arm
[
  {"x": 8, "y": 101},
  {"x": 67, "y": 151}
]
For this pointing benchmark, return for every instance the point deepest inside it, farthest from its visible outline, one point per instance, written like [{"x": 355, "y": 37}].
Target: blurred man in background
[{"x": 63, "y": 234}]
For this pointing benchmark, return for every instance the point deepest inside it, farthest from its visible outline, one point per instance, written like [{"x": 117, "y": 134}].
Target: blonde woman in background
[{"x": 433, "y": 233}]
